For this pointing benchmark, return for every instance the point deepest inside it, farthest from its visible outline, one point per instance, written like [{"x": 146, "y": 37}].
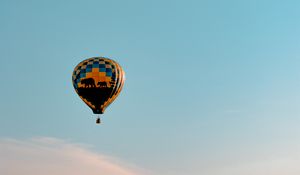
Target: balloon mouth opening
[{"x": 97, "y": 111}]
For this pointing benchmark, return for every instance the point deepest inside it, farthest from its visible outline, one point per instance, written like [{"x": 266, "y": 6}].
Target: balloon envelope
[{"x": 98, "y": 81}]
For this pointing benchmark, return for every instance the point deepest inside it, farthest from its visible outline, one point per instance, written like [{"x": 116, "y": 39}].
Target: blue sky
[{"x": 212, "y": 86}]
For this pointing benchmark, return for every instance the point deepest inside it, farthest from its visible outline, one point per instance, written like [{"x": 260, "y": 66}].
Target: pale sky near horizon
[{"x": 212, "y": 87}]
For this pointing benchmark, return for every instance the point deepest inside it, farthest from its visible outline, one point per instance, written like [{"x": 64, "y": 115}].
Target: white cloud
[{"x": 50, "y": 156}]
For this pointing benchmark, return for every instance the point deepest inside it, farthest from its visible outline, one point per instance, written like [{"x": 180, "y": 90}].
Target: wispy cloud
[{"x": 51, "y": 156}]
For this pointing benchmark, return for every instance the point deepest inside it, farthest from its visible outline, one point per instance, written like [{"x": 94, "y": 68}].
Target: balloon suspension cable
[{"x": 98, "y": 120}]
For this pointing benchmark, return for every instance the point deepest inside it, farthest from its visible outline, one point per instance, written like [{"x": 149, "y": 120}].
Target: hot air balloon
[{"x": 98, "y": 81}]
